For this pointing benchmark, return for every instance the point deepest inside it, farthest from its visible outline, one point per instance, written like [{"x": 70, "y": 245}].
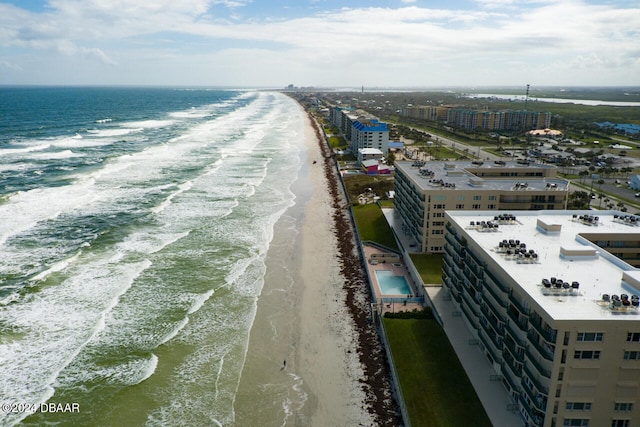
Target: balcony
[
  {"x": 457, "y": 285},
  {"x": 518, "y": 320},
  {"x": 519, "y": 305},
  {"x": 547, "y": 333},
  {"x": 514, "y": 367},
  {"x": 498, "y": 315},
  {"x": 473, "y": 321},
  {"x": 535, "y": 418},
  {"x": 488, "y": 344},
  {"x": 539, "y": 401},
  {"x": 470, "y": 302},
  {"x": 516, "y": 331},
  {"x": 540, "y": 387},
  {"x": 513, "y": 383},
  {"x": 456, "y": 295},
  {"x": 478, "y": 264},
  {"x": 541, "y": 349},
  {"x": 490, "y": 279},
  {"x": 448, "y": 249},
  {"x": 455, "y": 245},
  {"x": 516, "y": 351},
  {"x": 491, "y": 297},
  {"x": 542, "y": 368}
]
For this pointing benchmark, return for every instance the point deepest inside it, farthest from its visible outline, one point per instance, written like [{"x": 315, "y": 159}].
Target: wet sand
[{"x": 313, "y": 313}]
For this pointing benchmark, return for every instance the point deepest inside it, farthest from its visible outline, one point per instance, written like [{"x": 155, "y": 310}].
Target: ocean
[{"x": 134, "y": 227}]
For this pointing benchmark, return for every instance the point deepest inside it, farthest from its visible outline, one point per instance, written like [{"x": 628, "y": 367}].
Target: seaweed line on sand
[{"x": 376, "y": 384}]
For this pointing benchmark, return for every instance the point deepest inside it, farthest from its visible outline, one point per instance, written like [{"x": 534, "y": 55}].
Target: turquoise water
[
  {"x": 134, "y": 227},
  {"x": 391, "y": 284}
]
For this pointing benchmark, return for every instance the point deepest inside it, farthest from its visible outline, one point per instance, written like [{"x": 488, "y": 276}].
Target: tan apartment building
[
  {"x": 555, "y": 315},
  {"x": 470, "y": 119},
  {"x": 428, "y": 112},
  {"x": 424, "y": 191}
]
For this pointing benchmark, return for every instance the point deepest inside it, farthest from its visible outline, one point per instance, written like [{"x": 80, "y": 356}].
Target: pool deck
[{"x": 400, "y": 270}]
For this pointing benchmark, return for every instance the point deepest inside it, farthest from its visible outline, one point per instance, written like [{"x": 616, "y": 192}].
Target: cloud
[
  {"x": 9, "y": 66},
  {"x": 501, "y": 41}
]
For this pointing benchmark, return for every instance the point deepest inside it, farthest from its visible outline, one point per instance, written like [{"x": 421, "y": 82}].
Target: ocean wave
[{"x": 170, "y": 235}]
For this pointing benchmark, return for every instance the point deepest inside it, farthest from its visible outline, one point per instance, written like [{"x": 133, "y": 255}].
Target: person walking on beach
[{"x": 284, "y": 365}]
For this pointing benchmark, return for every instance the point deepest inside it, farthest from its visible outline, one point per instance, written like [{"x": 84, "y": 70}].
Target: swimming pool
[{"x": 390, "y": 284}]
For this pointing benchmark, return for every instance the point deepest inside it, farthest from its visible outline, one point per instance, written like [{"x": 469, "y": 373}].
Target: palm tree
[{"x": 583, "y": 174}]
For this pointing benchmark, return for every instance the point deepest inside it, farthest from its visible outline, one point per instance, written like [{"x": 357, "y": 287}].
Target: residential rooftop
[
  {"x": 467, "y": 175},
  {"x": 562, "y": 252}
]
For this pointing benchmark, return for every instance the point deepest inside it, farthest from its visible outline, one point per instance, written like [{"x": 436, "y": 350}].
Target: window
[
  {"x": 491, "y": 206},
  {"x": 631, "y": 355},
  {"x": 586, "y": 354},
  {"x": 438, "y": 206},
  {"x": 633, "y": 337},
  {"x": 579, "y": 422},
  {"x": 494, "y": 197},
  {"x": 578, "y": 406},
  {"x": 438, "y": 215},
  {"x": 460, "y": 206},
  {"x": 460, "y": 198},
  {"x": 437, "y": 231},
  {"x": 590, "y": 336},
  {"x": 436, "y": 248},
  {"x": 475, "y": 206},
  {"x": 623, "y": 407},
  {"x": 439, "y": 198},
  {"x": 437, "y": 223},
  {"x": 476, "y": 198},
  {"x": 620, "y": 423}
]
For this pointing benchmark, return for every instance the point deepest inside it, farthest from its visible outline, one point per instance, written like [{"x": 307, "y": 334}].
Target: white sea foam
[
  {"x": 178, "y": 327},
  {"x": 37, "y": 145},
  {"x": 200, "y": 300},
  {"x": 57, "y": 267},
  {"x": 56, "y": 155},
  {"x": 24, "y": 210},
  {"x": 191, "y": 114},
  {"x": 141, "y": 291},
  {"x": 16, "y": 167},
  {"x": 104, "y": 120},
  {"x": 149, "y": 124},
  {"x": 135, "y": 128},
  {"x": 56, "y": 323},
  {"x": 181, "y": 189}
]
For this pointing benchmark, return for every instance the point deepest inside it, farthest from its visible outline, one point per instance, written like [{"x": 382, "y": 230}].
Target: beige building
[
  {"x": 425, "y": 190},
  {"x": 555, "y": 315}
]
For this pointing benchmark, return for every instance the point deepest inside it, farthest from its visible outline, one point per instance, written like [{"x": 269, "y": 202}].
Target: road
[{"x": 615, "y": 192}]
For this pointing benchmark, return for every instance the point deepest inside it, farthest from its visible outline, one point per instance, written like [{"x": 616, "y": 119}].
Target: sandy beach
[{"x": 308, "y": 317}]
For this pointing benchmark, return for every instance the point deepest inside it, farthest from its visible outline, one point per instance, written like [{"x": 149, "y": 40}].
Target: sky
[{"x": 320, "y": 43}]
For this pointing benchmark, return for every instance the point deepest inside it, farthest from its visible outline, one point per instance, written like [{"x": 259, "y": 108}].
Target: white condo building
[{"x": 554, "y": 314}]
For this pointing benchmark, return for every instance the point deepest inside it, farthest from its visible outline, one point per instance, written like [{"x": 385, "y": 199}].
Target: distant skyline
[{"x": 323, "y": 43}]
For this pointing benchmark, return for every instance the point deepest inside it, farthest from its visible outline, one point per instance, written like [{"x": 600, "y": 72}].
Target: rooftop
[
  {"x": 464, "y": 176},
  {"x": 561, "y": 252}
]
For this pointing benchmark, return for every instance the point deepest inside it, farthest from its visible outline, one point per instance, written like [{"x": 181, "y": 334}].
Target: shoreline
[
  {"x": 376, "y": 382},
  {"x": 314, "y": 356}
]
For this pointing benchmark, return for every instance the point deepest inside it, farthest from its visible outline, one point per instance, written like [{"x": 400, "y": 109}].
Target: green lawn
[
  {"x": 429, "y": 266},
  {"x": 436, "y": 389},
  {"x": 373, "y": 226}
]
